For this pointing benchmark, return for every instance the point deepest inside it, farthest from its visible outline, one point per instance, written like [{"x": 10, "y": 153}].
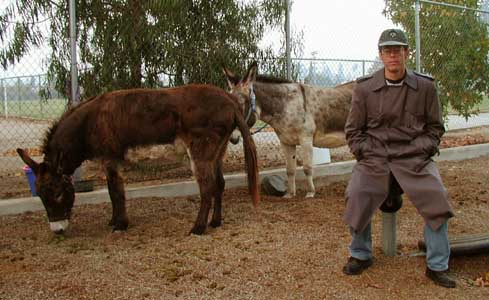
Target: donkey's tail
[{"x": 250, "y": 158}]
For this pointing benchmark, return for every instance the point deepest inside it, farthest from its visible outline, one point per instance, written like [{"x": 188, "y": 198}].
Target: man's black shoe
[
  {"x": 440, "y": 278},
  {"x": 356, "y": 266}
]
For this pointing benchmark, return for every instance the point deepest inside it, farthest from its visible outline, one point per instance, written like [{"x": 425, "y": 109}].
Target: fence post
[
  {"x": 74, "y": 74},
  {"x": 417, "y": 36},
  {"x": 74, "y": 70},
  {"x": 288, "y": 62}
]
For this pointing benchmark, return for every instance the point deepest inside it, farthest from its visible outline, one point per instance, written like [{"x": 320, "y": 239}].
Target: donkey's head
[
  {"x": 243, "y": 89},
  {"x": 55, "y": 190}
]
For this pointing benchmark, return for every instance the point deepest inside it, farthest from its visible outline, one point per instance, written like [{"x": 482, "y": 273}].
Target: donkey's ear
[
  {"x": 57, "y": 163},
  {"x": 28, "y": 160},
  {"x": 251, "y": 73},
  {"x": 231, "y": 79}
]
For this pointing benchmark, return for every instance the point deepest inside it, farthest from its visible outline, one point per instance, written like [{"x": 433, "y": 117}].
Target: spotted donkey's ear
[
  {"x": 251, "y": 73},
  {"x": 232, "y": 79}
]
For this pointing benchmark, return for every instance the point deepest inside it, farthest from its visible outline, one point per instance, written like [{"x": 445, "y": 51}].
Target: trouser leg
[
  {"x": 361, "y": 243},
  {"x": 437, "y": 247}
]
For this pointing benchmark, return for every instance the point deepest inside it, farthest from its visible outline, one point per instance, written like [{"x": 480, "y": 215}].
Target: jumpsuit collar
[{"x": 379, "y": 80}]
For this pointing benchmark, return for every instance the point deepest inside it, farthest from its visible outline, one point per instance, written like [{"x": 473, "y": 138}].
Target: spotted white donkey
[{"x": 301, "y": 115}]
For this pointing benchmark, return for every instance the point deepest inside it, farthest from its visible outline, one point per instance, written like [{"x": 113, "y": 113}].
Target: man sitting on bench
[{"x": 393, "y": 129}]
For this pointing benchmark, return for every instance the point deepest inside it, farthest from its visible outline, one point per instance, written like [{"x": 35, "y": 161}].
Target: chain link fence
[
  {"x": 452, "y": 45},
  {"x": 30, "y": 104},
  {"x": 26, "y": 116}
]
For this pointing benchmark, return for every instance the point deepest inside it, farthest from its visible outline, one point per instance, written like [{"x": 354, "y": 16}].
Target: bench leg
[{"x": 389, "y": 238}]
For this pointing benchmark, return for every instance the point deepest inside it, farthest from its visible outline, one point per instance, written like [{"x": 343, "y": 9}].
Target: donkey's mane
[
  {"x": 52, "y": 130},
  {"x": 272, "y": 79},
  {"x": 345, "y": 83}
]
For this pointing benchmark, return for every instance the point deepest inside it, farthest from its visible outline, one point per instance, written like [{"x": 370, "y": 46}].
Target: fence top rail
[
  {"x": 336, "y": 60},
  {"x": 293, "y": 58},
  {"x": 454, "y": 6},
  {"x": 22, "y": 76}
]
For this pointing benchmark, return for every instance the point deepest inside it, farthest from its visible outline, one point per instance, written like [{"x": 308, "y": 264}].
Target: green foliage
[
  {"x": 133, "y": 43},
  {"x": 24, "y": 33},
  {"x": 454, "y": 47}
]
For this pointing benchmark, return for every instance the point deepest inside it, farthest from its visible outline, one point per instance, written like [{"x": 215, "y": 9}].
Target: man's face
[{"x": 394, "y": 58}]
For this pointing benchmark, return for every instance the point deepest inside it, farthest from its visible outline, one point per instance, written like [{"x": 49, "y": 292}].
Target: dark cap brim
[{"x": 392, "y": 43}]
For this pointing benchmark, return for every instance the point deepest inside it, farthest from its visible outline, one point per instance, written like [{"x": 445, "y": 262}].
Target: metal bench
[{"x": 467, "y": 244}]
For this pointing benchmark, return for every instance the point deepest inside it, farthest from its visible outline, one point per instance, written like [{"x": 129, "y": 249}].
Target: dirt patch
[{"x": 290, "y": 249}]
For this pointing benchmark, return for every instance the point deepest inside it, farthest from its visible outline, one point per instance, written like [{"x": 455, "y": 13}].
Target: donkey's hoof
[
  {"x": 119, "y": 225},
  {"x": 288, "y": 196},
  {"x": 310, "y": 195},
  {"x": 199, "y": 230},
  {"x": 117, "y": 229},
  {"x": 215, "y": 224}
]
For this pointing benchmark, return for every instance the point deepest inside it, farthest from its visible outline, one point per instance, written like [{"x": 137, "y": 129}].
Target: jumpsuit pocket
[
  {"x": 414, "y": 115},
  {"x": 373, "y": 110},
  {"x": 426, "y": 145},
  {"x": 365, "y": 148},
  {"x": 414, "y": 121}
]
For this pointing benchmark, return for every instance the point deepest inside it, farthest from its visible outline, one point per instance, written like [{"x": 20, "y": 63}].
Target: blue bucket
[{"x": 31, "y": 178}]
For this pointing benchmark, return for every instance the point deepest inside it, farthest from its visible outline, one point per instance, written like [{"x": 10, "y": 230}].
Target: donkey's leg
[
  {"x": 291, "y": 165},
  {"x": 192, "y": 164},
  {"x": 216, "y": 215},
  {"x": 220, "y": 184},
  {"x": 115, "y": 184},
  {"x": 307, "y": 153},
  {"x": 206, "y": 178}
]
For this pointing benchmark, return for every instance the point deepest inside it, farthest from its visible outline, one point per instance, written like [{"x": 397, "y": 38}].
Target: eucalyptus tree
[
  {"x": 454, "y": 49},
  {"x": 133, "y": 43}
]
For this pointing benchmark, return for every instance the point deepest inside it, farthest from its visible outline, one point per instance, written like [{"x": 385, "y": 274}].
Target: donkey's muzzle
[{"x": 59, "y": 227}]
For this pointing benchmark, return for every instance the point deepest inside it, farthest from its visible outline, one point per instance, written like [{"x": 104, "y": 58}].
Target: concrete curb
[{"x": 187, "y": 188}]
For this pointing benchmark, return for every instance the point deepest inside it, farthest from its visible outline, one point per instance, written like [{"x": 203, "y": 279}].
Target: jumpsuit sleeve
[
  {"x": 434, "y": 127},
  {"x": 356, "y": 123}
]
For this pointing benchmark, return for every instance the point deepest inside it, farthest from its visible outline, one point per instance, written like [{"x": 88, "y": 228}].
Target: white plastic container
[{"x": 320, "y": 156}]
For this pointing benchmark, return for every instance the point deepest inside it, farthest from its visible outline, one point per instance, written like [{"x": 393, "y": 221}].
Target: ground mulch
[{"x": 289, "y": 249}]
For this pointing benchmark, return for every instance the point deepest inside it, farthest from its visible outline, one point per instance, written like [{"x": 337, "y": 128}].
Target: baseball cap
[{"x": 393, "y": 37}]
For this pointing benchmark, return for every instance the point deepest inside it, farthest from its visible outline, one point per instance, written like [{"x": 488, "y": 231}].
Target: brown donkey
[{"x": 201, "y": 117}]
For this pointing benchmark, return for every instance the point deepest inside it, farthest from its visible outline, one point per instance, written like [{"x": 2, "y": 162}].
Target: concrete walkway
[
  {"x": 458, "y": 122},
  {"x": 16, "y": 206}
]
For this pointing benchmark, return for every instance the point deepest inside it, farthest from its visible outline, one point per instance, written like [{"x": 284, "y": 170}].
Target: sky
[{"x": 338, "y": 29}]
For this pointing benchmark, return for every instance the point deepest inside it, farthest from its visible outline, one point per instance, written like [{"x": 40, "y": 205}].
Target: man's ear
[{"x": 406, "y": 50}]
